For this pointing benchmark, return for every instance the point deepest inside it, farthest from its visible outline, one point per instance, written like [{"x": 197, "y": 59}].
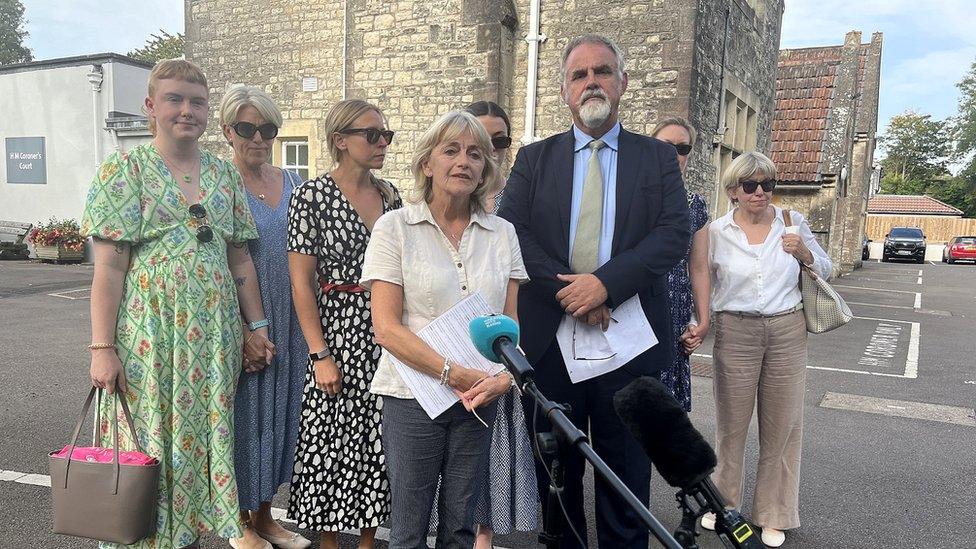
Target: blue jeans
[{"x": 419, "y": 450}]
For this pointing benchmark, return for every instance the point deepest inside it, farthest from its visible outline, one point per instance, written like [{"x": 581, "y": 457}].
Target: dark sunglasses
[
  {"x": 684, "y": 149},
  {"x": 204, "y": 232},
  {"x": 247, "y": 130},
  {"x": 372, "y": 134},
  {"x": 750, "y": 186},
  {"x": 501, "y": 142}
]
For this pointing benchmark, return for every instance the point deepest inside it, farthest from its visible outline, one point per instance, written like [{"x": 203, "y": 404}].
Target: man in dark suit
[{"x": 601, "y": 215}]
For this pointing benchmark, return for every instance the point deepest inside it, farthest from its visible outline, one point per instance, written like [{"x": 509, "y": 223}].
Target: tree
[
  {"x": 160, "y": 46},
  {"x": 918, "y": 151},
  {"x": 965, "y": 121},
  {"x": 12, "y": 33}
]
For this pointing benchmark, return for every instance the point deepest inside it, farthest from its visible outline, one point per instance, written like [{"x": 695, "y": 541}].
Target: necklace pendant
[
  {"x": 186, "y": 179},
  {"x": 261, "y": 196}
]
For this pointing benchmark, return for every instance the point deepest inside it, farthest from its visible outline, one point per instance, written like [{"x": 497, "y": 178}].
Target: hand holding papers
[
  {"x": 448, "y": 335},
  {"x": 588, "y": 351}
]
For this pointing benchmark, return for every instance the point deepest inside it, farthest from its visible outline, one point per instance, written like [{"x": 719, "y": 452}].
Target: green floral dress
[{"x": 179, "y": 332}]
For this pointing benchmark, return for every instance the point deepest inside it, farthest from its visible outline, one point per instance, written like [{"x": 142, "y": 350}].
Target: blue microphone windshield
[{"x": 486, "y": 329}]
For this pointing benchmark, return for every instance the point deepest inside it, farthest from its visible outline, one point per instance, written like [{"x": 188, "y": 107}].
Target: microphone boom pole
[{"x": 570, "y": 436}]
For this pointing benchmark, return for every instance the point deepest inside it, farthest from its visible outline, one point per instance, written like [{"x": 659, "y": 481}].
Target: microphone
[
  {"x": 682, "y": 457},
  {"x": 496, "y": 338}
]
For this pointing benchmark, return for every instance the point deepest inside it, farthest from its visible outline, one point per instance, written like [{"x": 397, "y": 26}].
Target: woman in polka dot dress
[{"x": 339, "y": 481}]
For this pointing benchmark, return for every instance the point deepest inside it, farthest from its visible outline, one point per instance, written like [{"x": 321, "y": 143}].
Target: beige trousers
[{"x": 761, "y": 362}]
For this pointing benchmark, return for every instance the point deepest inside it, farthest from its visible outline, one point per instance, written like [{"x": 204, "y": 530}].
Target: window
[
  {"x": 294, "y": 156},
  {"x": 739, "y": 137}
]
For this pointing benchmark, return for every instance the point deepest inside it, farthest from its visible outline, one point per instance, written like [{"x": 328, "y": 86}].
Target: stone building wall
[{"x": 418, "y": 59}]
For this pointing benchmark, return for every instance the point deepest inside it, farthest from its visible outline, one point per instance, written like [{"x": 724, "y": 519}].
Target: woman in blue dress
[
  {"x": 269, "y": 396},
  {"x": 688, "y": 319}
]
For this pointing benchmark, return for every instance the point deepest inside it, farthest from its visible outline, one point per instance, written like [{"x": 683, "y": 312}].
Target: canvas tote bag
[
  {"x": 823, "y": 308},
  {"x": 104, "y": 500}
]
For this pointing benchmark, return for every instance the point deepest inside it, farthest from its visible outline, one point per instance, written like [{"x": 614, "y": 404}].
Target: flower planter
[{"x": 59, "y": 254}]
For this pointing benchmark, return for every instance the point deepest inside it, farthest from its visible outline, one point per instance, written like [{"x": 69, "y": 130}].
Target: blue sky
[{"x": 928, "y": 46}]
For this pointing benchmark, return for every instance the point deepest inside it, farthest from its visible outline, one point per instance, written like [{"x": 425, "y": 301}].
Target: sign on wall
[{"x": 26, "y": 160}]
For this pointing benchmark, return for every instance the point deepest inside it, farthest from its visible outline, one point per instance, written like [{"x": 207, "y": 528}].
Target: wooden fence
[{"x": 936, "y": 228}]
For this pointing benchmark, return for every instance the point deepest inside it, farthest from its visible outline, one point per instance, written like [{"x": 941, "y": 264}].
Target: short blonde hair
[
  {"x": 449, "y": 127},
  {"x": 174, "y": 69},
  {"x": 745, "y": 166},
  {"x": 341, "y": 116},
  {"x": 676, "y": 121},
  {"x": 238, "y": 96}
]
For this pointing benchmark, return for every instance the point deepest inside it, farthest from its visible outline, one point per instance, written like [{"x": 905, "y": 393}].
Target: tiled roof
[
  {"x": 804, "y": 90},
  {"x": 910, "y": 205}
]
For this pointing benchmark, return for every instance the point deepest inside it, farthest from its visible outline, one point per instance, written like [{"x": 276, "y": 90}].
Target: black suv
[{"x": 904, "y": 243}]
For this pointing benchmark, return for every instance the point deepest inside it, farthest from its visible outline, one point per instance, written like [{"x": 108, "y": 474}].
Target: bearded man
[{"x": 601, "y": 216}]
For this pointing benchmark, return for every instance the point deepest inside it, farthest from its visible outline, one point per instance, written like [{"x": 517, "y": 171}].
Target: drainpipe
[
  {"x": 95, "y": 79},
  {"x": 532, "y": 78}
]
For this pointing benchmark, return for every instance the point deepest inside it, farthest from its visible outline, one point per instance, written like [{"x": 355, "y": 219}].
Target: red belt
[{"x": 329, "y": 287}]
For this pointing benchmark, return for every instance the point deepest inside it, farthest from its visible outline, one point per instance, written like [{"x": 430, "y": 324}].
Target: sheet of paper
[
  {"x": 448, "y": 335},
  {"x": 588, "y": 351}
]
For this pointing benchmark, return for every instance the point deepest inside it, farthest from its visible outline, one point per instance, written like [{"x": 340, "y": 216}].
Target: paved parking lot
[{"x": 890, "y": 434}]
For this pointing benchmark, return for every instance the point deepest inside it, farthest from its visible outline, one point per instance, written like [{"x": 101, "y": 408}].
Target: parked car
[
  {"x": 904, "y": 243},
  {"x": 960, "y": 248},
  {"x": 865, "y": 251}
]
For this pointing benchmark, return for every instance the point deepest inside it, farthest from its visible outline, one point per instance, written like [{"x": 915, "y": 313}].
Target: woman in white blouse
[
  {"x": 751, "y": 260},
  {"x": 421, "y": 260}
]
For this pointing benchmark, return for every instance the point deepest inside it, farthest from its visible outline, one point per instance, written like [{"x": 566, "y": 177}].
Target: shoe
[
  {"x": 772, "y": 537},
  {"x": 294, "y": 541},
  {"x": 233, "y": 543},
  {"x": 708, "y": 521}
]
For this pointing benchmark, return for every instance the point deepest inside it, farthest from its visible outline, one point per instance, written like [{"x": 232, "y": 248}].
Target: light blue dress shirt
[{"x": 608, "y": 166}]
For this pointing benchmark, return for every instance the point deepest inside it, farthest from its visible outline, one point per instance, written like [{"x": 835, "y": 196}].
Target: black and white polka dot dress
[{"x": 339, "y": 480}]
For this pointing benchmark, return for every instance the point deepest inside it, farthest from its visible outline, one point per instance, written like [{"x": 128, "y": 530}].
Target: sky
[{"x": 928, "y": 46}]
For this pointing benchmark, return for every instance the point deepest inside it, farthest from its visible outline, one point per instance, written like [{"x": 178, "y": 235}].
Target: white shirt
[
  {"x": 407, "y": 248},
  {"x": 758, "y": 278}
]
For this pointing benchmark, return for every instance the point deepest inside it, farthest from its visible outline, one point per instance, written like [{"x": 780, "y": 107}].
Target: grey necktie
[{"x": 586, "y": 245}]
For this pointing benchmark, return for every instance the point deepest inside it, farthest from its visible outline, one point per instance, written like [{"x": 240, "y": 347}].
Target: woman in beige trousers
[{"x": 750, "y": 260}]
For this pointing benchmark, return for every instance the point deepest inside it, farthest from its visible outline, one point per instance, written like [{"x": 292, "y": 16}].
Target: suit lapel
[
  {"x": 563, "y": 186},
  {"x": 628, "y": 162}
]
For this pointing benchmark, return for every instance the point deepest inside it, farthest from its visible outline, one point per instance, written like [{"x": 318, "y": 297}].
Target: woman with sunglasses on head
[
  {"x": 173, "y": 277},
  {"x": 689, "y": 305},
  {"x": 509, "y": 496},
  {"x": 269, "y": 396},
  {"x": 339, "y": 481},
  {"x": 752, "y": 258}
]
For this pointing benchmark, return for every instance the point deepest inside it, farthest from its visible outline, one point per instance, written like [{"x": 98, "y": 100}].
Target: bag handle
[
  {"x": 115, "y": 434},
  {"x": 788, "y": 221}
]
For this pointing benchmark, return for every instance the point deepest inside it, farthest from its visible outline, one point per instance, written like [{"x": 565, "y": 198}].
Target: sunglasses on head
[
  {"x": 684, "y": 149},
  {"x": 750, "y": 186},
  {"x": 247, "y": 130},
  {"x": 501, "y": 142},
  {"x": 204, "y": 232},
  {"x": 372, "y": 134}
]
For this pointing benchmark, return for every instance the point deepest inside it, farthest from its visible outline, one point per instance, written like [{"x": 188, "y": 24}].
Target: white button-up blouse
[
  {"x": 407, "y": 248},
  {"x": 761, "y": 278}
]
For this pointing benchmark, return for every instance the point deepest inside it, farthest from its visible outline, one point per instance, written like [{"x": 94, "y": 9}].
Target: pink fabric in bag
[{"x": 104, "y": 455}]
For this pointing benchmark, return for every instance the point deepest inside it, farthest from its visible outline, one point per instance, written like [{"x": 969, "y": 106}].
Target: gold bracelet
[{"x": 96, "y": 346}]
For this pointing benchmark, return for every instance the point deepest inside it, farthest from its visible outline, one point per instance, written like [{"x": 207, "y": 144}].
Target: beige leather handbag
[
  {"x": 823, "y": 308},
  {"x": 106, "y": 501}
]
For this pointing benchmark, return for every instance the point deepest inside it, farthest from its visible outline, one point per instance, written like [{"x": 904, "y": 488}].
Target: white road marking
[
  {"x": 955, "y": 415},
  {"x": 702, "y": 355},
  {"x": 880, "y": 305},
  {"x": 874, "y": 289},
  {"x": 276, "y": 512},
  {"x": 918, "y": 301},
  {"x": 65, "y": 294},
  {"x": 911, "y": 362},
  {"x": 919, "y": 281}
]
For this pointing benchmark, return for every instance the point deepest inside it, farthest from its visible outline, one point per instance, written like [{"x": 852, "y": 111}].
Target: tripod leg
[{"x": 687, "y": 531}]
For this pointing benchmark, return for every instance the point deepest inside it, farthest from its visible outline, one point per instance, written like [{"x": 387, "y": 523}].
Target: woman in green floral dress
[{"x": 172, "y": 279}]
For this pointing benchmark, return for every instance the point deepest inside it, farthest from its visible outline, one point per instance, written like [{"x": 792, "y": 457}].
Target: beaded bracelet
[{"x": 96, "y": 346}]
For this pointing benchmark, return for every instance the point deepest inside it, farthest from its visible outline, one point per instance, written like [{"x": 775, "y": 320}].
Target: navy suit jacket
[{"x": 651, "y": 234}]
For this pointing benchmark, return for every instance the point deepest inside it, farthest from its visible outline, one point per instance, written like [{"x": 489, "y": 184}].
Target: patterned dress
[
  {"x": 340, "y": 479},
  {"x": 269, "y": 402},
  {"x": 179, "y": 332},
  {"x": 677, "y": 377}
]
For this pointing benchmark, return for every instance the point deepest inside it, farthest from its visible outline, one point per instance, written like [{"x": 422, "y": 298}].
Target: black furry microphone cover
[{"x": 663, "y": 429}]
